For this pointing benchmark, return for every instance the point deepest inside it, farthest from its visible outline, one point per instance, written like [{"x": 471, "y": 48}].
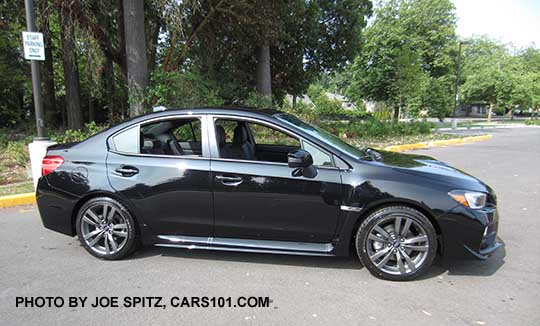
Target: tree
[
  {"x": 226, "y": 41},
  {"x": 409, "y": 46},
  {"x": 137, "y": 70},
  {"x": 14, "y": 72},
  {"x": 486, "y": 75},
  {"x": 71, "y": 70}
]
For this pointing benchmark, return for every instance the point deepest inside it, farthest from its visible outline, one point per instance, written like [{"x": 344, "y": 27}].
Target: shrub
[
  {"x": 372, "y": 128},
  {"x": 69, "y": 136},
  {"x": 533, "y": 122}
]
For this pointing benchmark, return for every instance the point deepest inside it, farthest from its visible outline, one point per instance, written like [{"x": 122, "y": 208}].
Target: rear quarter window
[{"x": 127, "y": 141}]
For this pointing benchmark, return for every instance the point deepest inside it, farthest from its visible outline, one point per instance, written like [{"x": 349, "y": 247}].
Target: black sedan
[{"x": 261, "y": 181}]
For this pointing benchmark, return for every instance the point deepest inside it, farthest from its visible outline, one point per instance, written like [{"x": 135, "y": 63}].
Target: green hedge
[{"x": 372, "y": 128}]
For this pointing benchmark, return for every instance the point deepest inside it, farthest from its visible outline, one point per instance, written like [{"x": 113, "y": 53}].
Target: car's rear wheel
[
  {"x": 396, "y": 243},
  {"x": 106, "y": 228}
]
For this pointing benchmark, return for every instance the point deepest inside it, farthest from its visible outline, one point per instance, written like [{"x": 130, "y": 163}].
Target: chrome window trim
[
  {"x": 205, "y": 147},
  {"x": 189, "y": 157},
  {"x": 215, "y": 153}
]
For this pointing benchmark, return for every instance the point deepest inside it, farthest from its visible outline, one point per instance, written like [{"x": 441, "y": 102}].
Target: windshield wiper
[{"x": 370, "y": 154}]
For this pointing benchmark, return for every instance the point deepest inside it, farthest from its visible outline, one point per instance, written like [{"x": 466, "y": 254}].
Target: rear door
[{"x": 171, "y": 192}]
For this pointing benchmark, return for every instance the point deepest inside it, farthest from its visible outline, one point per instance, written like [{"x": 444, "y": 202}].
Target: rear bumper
[{"x": 55, "y": 208}]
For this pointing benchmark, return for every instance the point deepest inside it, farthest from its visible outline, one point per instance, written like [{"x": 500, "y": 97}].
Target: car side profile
[{"x": 261, "y": 181}]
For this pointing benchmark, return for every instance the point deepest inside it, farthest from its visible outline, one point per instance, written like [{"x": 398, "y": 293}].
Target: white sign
[{"x": 34, "y": 48}]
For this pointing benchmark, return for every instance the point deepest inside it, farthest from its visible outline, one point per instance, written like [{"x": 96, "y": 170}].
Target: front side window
[
  {"x": 173, "y": 137},
  {"x": 246, "y": 140},
  {"x": 320, "y": 158}
]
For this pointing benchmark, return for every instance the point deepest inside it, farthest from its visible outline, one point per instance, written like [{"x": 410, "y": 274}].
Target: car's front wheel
[
  {"x": 106, "y": 228},
  {"x": 396, "y": 243}
]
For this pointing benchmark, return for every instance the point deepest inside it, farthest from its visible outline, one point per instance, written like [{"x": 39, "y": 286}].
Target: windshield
[{"x": 322, "y": 134}]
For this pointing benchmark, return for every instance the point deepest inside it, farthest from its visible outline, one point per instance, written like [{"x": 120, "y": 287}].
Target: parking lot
[{"x": 504, "y": 290}]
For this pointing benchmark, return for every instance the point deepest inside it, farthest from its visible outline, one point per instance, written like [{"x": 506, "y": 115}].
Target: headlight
[{"x": 471, "y": 199}]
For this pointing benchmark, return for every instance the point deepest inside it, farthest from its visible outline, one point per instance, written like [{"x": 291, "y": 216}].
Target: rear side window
[
  {"x": 127, "y": 141},
  {"x": 172, "y": 137}
]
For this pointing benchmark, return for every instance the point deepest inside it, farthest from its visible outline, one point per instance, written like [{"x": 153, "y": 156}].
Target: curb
[
  {"x": 486, "y": 127},
  {"x": 16, "y": 200},
  {"x": 437, "y": 143}
]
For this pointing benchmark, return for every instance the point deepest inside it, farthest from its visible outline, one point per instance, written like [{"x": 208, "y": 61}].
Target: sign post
[{"x": 34, "y": 50}]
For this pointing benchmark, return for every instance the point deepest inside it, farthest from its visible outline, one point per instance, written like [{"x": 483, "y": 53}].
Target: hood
[{"x": 431, "y": 168}]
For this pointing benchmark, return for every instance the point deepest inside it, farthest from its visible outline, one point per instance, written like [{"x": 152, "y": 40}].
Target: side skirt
[{"x": 247, "y": 245}]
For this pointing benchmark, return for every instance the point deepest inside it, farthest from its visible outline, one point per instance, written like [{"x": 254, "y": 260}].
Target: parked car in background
[{"x": 261, "y": 181}]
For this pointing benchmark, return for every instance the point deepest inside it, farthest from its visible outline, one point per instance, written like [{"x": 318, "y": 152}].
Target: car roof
[{"x": 241, "y": 111}]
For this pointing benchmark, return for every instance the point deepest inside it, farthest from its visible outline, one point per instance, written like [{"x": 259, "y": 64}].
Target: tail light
[{"x": 50, "y": 163}]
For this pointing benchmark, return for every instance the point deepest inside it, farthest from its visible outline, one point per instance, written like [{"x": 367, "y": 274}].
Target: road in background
[{"x": 504, "y": 290}]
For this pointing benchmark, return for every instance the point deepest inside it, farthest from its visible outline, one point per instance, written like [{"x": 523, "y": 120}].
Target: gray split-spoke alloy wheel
[
  {"x": 106, "y": 229},
  {"x": 396, "y": 243}
]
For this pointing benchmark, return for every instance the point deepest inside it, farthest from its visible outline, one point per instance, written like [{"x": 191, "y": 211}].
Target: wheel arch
[
  {"x": 394, "y": 202},
  {"x": 97, "y": 194}
]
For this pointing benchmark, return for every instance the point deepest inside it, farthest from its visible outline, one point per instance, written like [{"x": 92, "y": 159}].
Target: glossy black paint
[{"x": 231, "y": 199}]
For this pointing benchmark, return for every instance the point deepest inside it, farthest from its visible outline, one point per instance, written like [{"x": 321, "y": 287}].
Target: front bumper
[
  {"x": 490, "y": 242},
  {"x": 486, "y": 252},
  {"x": 471, "y": 233}
]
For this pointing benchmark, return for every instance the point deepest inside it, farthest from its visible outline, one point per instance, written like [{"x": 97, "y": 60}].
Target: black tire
[
  {"x": 365, "y": 245},
  {"x": 131, "y": 242}
]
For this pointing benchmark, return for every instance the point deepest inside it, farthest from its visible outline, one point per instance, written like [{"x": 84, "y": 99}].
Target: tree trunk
[
  {"x": 137, "y": 70},
  {"x": 154, "y": 23},
  {"x": 264, "y": 76},
  {"x": 47, "y": 75},
  {"x": 71, "y": 72},
  {"x": 489, "y": 112},
  {"x": 294, "y": 101},
  {"x": 108, "y": 80}
]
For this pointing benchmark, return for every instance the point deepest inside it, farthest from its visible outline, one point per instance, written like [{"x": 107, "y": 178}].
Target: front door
[
  {"x": 166, "y": 182},
  {"x": 257, "y": 197}
]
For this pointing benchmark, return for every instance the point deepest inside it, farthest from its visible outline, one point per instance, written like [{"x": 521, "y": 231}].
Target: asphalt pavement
[{"x": 503, "y": 290}]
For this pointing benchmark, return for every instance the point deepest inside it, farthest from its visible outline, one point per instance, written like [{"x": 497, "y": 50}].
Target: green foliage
[
  {"x": 255, "y": 100},
  {"x": 324, "y": 106},
  {"x": 535, "y": 122},
  {"x": 182, "y": 89},
  {"x": 14, "y": 73},
  {"x": 18, "y": 152},
  {"x": 373, "y": 128},
  {"x": 69, "y": 136},
  {"x": 436, "y": 98},
  {"x": 491, "y": 74},
  {"x": 13, "y": 161},
  {"x": 383, "y": 115},
  {"x": 409, "y": 44},
  {"x": 483, "y": 78},
  {"x": 305, "y": 39}
]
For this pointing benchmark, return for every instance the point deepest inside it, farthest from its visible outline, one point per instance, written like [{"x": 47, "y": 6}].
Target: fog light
[{"x": 485, "y": 232}]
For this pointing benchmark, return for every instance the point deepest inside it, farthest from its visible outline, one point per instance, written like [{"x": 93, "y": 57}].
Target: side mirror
[{"x": 302, "y": 163}]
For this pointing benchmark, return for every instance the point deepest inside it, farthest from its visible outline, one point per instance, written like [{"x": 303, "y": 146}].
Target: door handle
[
  {"x": 127, "y": 171},
  {"x": 229, "y": 181}
]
